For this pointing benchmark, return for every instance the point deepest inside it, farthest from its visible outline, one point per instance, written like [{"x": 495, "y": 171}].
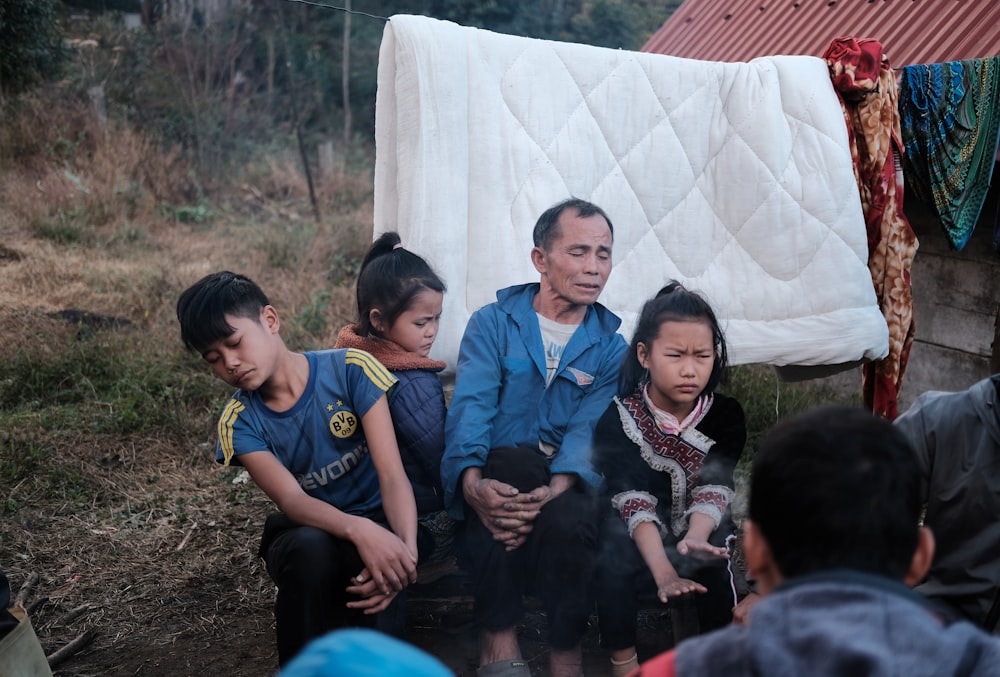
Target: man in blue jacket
[{"x": 536, "y": 369}]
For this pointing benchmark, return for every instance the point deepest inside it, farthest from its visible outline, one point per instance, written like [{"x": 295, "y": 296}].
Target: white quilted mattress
[{"x": 734, "y": 178}]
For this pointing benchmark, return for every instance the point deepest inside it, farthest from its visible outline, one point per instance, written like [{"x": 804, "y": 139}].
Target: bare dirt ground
[{"x": 195, "y": 600}]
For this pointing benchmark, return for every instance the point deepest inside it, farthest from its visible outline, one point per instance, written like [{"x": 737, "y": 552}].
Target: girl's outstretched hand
[
  {"x": 675, "y": 586},
  {"x": 701, "y": 549}
]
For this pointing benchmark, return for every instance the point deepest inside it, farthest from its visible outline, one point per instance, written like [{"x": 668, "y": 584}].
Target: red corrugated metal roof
[{"x": 911, "y": 31}]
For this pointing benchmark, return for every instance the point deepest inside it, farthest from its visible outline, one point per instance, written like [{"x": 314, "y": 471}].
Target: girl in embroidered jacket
[
  {"x": 399, "y": 299},
  {"x": 667, "y": 447}
]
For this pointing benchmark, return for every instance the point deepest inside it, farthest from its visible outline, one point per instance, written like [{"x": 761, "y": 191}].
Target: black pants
[
  {"x": 312, "y": 570},
  {"x": 624, "y": 582},
  {"x": 555, "y": 563}
]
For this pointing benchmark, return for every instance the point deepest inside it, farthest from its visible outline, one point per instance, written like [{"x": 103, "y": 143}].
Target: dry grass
[
  {"x": 158, "y": 555},
  {"x": 90, "y": 230},
  {"x": 78, "y": 180},
  {"x": 142, "y": 528}
]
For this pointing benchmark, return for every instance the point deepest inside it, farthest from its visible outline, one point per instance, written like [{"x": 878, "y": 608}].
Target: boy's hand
[
  {"x": 674, "y": 586},
  {"x": 388, "y": 561},
  {"x": 699, "y": 548},
  {"x": 373, "y": 599}
]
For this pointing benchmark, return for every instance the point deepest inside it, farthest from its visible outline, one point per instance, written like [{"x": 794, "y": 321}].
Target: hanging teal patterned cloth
[{"x": 950, "y": 124}]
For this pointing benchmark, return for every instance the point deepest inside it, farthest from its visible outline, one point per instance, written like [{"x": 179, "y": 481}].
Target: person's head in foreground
[{"x": 835, "y": 488}]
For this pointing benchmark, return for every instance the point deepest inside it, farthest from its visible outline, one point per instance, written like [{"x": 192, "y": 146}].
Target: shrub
[{"x": 31, "y": 44}]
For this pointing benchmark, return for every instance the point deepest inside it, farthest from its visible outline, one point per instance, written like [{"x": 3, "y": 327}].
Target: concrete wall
[{"x": 956, "y": 296}]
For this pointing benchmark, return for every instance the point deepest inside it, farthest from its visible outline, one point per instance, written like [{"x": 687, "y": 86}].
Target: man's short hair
[
  {"x": 837, "y": 487},
  {"x": 202, "y": 308},
  {"x": 546, "y": 228}
]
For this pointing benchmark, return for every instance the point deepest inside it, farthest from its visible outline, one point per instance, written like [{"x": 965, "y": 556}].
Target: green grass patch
[
  {"x": 766, "y": 399},
  {"x": 22, "y": 451},
  {"x": 107, "y": 382},
  {"x": 312, "y": 318},
  {"x": 200, "y": 213},
  {"x": 64, "y": 227},
  {"x": 32, "y": 466}
]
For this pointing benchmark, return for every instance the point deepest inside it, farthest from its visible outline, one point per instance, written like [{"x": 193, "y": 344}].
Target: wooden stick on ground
[
  {"x": 73, "y": 614},
  {"x": 187, "y": 536},
  {"x": 25, "y": 591},
  {"x": 36, "y": 605},
  {"x": 57, "y": 657}
]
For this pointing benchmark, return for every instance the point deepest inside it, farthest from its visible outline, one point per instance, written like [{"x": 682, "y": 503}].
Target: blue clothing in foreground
[
  {"x": 501, "y": 399},
  {"x": 363, "y": 653},
  {"x": 844, "y": 624}
]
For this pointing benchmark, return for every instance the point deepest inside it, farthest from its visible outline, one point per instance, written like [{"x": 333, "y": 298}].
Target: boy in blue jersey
[{"x": 314, "y": 432}]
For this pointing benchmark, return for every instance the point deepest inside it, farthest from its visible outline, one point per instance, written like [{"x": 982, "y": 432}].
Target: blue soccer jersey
[{"x": 320, "y": 439}]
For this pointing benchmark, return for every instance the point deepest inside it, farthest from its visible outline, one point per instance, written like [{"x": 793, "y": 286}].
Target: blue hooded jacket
[{"x": 501, "y": 399}]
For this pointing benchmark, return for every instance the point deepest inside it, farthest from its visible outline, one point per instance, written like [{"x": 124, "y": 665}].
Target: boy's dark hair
[
  {"x": 672, "y": 303},
  {"x": 390, "y": 278},
  {"x": 546, "y": 229},
  {"x": 837, "y": 487},
  {"x": 202, "y": 308}
]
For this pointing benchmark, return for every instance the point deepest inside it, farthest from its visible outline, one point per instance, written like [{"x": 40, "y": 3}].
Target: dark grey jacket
[{"x": 956, "y": 437}]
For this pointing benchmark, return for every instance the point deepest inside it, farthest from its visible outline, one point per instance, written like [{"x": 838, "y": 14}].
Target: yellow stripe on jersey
[
  {"x": 226, "y": 422},
  {"x": 373, "y": 369}
]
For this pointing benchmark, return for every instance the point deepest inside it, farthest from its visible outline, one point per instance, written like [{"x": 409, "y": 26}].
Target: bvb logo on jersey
[{"x": 343, "y": 424}]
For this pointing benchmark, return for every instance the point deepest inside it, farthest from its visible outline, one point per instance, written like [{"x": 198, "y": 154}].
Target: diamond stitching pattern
[{"x": 728, "y": 176}]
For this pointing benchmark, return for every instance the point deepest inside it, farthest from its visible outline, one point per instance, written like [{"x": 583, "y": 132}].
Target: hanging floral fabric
[{"x": 869, "y": 93}]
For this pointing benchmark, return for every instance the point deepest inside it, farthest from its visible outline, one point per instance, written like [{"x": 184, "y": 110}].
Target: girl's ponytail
[{"x": 390, "y": 277}]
